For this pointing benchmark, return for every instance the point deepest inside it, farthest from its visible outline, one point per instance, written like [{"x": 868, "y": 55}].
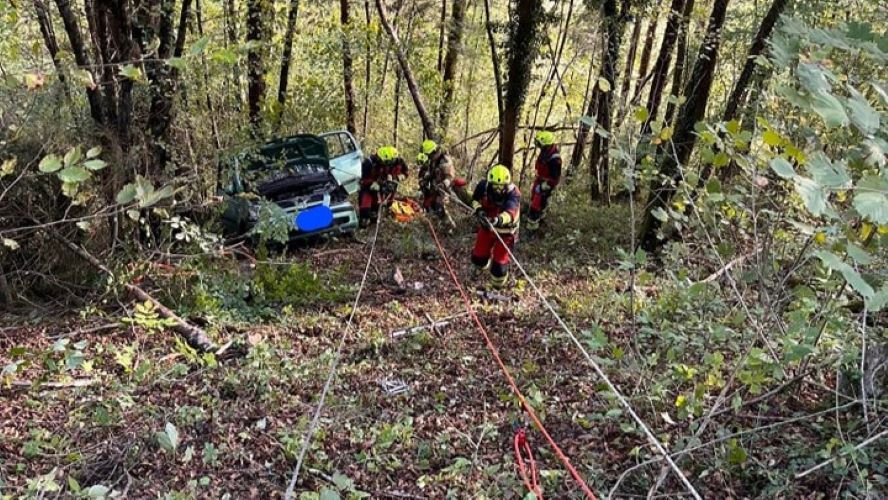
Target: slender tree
[
  {"x": 454, "y": 48},
  {"x": 738, "y": 95},
  {"x": 599, "y": 161},
  {"x": 256, "y": 35},
  {"x": 368, "y": 69},
  {"x": 664, "y": 60},
  {"x": 81, "y": 57},
  {"x": 645, "y": 60},
  {"x": 442, "y": 29},
  {"x": 522, "y": 48},
  {"x": 286, "y": 57},
  {"x": 49, "y": 40},
  {"x": 427, "y": 125},
  {"x": 495, "y": 60},
  {"x": 630, "y": 60},
  {"x": 681, "y": 57},
  {"x": 675, "y": 155},
  {"x": 347, "y": 70}
]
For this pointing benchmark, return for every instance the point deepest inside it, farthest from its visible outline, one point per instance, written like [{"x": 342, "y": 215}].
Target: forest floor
[{"x": 238, "y": 423}]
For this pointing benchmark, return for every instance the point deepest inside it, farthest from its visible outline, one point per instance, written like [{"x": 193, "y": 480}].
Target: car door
[{"x": 345, "y": 158}]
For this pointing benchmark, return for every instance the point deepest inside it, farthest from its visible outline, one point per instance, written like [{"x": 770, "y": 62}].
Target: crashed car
[{"x": 296, "y": 174}]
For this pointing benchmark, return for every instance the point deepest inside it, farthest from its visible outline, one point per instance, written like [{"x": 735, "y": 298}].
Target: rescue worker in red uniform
[
  {"x": 497, "y": 204},
  {"x": 548, "y": 175},
  {"x": 380, "y": 176}
]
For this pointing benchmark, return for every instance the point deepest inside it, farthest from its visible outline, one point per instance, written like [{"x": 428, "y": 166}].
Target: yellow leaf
[
  {"x": 641, "y": 114},
  {"x": 8, "y": 167},
  {"x": 604, "y": 85},
  {"x": 679, "y": 205},
  {"x": 771, "y": 138},
  {"x": 841, "y": 196},
  {"x": 820, "y": 238},
  {"x": 866, "y": 229},
  {"x": 681, "y": 401},
  {"x": 883, "y": 229},
  {"x": 666, "y": 133},
  {"x": 33, "y": 81}
]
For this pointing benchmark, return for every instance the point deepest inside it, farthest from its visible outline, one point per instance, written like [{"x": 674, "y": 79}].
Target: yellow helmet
[
  {"x": 544, "y": 138},
  {"x": 499, "y": 176},
  {"x": 429, "y": 146},
  {"x": 422, "y": 158},
  {"x": 387, "y": 154}
]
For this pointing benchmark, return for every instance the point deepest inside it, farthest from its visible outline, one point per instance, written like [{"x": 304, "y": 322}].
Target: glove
[
  {"x": 497, "y": 221},
  {"x": 374, "y": 186},
  {"x": 481, "y": 216}
]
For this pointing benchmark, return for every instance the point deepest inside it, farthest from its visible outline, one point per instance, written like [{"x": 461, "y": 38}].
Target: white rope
[
  {"x": 348, "y": 327},
  {"x": 613, "y": 388}
]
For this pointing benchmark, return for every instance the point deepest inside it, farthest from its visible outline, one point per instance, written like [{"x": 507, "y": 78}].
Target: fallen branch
[
  {"x": 80, "y": 382},
  {"x": 736, "y": 262},
  {"x": 821, "y": 465},
  {"x": 196, "y": 337}
]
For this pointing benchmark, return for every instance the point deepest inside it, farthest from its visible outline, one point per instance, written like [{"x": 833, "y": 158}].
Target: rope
[
  {"x": 493, "y": 350},
  {"x": 613, "y": 388},
  {"x": 523, "y": 448},
  {"x": 348, "y": 327}
]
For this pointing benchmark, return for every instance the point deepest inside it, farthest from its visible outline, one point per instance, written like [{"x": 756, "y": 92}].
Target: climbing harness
[
  {"x": 522, "y": 451},
  {"x": 333, "y": 366},
  {"x": 495, "y": 353},
  {"x": 595, "y": 366}
]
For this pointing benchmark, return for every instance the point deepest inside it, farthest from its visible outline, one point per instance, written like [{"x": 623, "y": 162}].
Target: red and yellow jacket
[
  {"x": 508, "y": 205},
  {"x": 548, "y": 166},
  {"x": 374, "y": 170}
]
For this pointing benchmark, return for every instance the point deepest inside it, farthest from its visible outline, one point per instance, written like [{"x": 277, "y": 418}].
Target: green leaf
[
  {"x": 227, "y": 57},
  {"x": 827, "y": 173},
  {"x": 736, "y": 454},
  {"x": 832, "y": 261},
  {"x": 342, "y": 482},
  {"x": 782, "y": 168},
  {"x": 177, "y": 62},
  {"x": 863, "y": 116},
  {"x": 660, "y": 214},
  {"x": 721, "y": 159},
  {"x": 641, "y": 114},
  {"x": 83, "y": 78},
  {"x": 50, "y": 163},
  {"x": 169, "y": 438},
  {"x": 73, "y": 156},
  {"x": 858, "y": 254},
  {"x": 74, "y": 174},
  {"x": 93, "y": 152},
  {"x": 771, "y": 138},
  {"x": 830, "y": 109},
  {"x": 132, "y": 72},
  {"x": 883, "y": 94},
  {"x": 153, "y": 197},
  {"x": 871, "y": 199},
  {"x": 813, "y": 78},
  {"x": 127, "y": 194},
  {"x": 811, "y": 193},
  {"x": 329, "y": 494},
  {"x": 199, "y": 46},
  {"x": 95, "y": 164},
  {"x": 879, "y": 300}
]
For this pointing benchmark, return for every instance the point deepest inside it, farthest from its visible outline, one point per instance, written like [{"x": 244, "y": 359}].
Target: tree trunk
[
  {"x": 368, "y": 67},
  {"x": 233, "y": 40},
  {"x": 120, "y": 29},
  {"x": 206, "y": 78},
  {"x": 287, "y": 56},
  {"x": 454, "y": 47},
  {"x": 645, "y": 61},
  {"x": 681, "y": 57},
  {"x": 497, "y": 72},
  {"x": 105, "y": 50},
  {"x": 441, "y": 31},
  {"x": 599, "y": 161},
  {"x": 255, "y": 60},
  {"x": 81, "y": 57},
  {"x": 427, "y": 125},
  {"x": 758, "y": 47},
  {"x": 697, "y": 92},
  {"x": 661, "y": 67},
  {"x": 163, "y": 83},
  {"x": 396, "y": 115},
  {"x": 523, "y": 34},
  {"x": 630, "y": 61},
  {"x": 591, "y": 103},
  {"x": 347, "y": 71},
  {"x": 49, "y": 39}
]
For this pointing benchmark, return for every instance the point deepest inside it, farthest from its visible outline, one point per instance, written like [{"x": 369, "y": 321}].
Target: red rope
[
  {"x": 493, "y": 350},
  {"x": 531, "y": 481}
]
